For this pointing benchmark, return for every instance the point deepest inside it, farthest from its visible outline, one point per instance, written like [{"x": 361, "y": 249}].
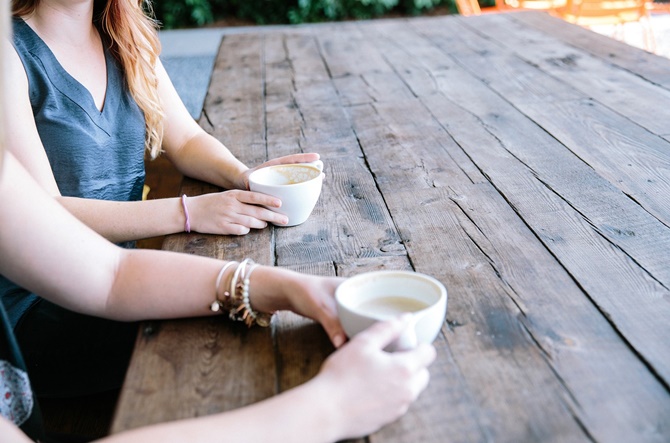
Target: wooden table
[{"x": 521, "y": 160}]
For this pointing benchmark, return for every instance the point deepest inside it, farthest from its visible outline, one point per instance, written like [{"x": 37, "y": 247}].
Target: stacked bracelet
[
  {"x": 187, "y": 223},
  {"x": 236, "y": 299},
  {"x": 218, "y": 304}
]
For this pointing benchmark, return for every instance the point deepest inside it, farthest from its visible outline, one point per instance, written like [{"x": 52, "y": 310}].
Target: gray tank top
[{"x": 93, "y": 154}]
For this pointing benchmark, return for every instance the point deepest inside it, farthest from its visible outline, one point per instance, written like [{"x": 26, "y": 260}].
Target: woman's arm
[
  {"x": 359, "y": 389},
  {"x": 61, "y": 259},
  {"x": 199, "y": 155}
]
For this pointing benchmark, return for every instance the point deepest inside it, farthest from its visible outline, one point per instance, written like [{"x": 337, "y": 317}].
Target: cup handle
[
  {"x": 407, "y": 340},
  {"x": 317, "y": 163}
]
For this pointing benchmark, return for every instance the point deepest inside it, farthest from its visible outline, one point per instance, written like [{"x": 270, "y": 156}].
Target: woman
[
  {"x": 44, "y": 248},
  {"x": 89, "y": 97}
]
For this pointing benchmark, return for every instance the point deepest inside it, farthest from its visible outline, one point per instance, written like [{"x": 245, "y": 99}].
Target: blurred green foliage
[{"x": 190, "y": 13}]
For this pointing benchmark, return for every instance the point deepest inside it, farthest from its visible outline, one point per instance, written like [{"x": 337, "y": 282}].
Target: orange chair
[
  {"x": 658, "y": 6},
  {"x": 471, "y": 7},
  {"x": 589, "y": 13},
  {"x": 538, "y": 5}
]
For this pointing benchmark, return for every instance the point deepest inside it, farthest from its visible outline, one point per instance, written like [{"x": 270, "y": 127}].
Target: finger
[
  {"x": 419, "y": 382},
  {"x": 250, "y": 222},
  {"x": 419, "y": 357},
  {"x": 300, "y": 158},
  {"x": 294, "y": 158},
  {"x": 331, "y": 324},
  {"x": 271, "y": 217},
  {"x": 237, "y": 229},
  {"x": 258, "y": 198},
  {"x": 382, "y": 334}
]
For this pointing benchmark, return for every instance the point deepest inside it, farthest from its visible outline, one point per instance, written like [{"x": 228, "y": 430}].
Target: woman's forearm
[
  {"x": 204, "y": 158},
  {"x": 126, "y": 221},
  {"x": 295, "y": 416}
]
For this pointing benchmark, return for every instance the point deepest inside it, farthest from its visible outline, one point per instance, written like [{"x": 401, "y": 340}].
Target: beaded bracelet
[
  {"x": 236, "y": 299},
  {"x": 260, "y": 318}
]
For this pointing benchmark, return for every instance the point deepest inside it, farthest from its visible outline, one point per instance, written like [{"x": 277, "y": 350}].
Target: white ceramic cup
[
  {"x": 297, "y": 185},
  {"x": 370, "y": 297}
]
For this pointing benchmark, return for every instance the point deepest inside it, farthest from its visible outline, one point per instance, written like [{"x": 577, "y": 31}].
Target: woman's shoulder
[
  {"x": 13, "y": 65},
  {"x": 24, "y": 39}
]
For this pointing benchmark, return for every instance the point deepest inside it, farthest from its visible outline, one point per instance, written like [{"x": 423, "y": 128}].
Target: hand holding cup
[{"x": 376, "y": 296}]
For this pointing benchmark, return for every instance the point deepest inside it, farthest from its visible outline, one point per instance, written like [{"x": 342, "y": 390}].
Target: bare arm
[
  {"x": 62, "y": 260},
  {"x": 199, "y": 155},
  {"x": 359, "y": 388}
]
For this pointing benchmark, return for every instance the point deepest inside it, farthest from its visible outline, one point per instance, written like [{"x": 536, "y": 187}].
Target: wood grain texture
[
  {"x": 513, "y": 157},
  {"x": 205, "y": 363},
  {"x": 649, "y": 66},
  {"x": 623, "y": 91}
]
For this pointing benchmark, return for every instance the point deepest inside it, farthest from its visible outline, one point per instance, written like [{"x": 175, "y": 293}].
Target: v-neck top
[{"x": 93, "y": 154}]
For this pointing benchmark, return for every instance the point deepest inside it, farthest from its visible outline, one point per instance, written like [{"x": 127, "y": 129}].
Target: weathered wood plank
[
  {"x": 382, "y": 167},
  {"x": 303, "y": 114},
  {"x": 415, "y": 149},
  {"x": 234, "y": 105},
  {"x": 493, "y": 113},
  {"x": 581, "y": 218},
  {"x": 347, "y": 52},
  {"x": 350, "y": 219},
  {"x": 649, "y": 66},
  {"x": 632, "y": 160},
  {"x": 211, "y": 365},
  {"x": 507, "y": 308},
  {"x": 549, "y": 243},
  {"x": 622, "y": 91},
  {"x": 498, "y": 362}
]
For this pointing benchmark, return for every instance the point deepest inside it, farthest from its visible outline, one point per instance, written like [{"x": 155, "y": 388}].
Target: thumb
[{"x": 384, "y": 333}]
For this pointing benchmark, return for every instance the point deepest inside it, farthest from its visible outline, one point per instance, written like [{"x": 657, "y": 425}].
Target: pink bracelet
[{"x": 187, "y": 224}]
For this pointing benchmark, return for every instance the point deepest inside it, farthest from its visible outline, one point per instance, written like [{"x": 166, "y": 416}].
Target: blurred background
[{"x": 174, "y": 14}]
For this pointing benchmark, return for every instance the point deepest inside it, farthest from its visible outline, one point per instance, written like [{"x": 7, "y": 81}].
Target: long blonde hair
[{"x": 132, "y": 38}]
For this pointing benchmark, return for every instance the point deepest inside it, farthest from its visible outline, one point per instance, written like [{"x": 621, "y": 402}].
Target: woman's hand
[
  {"x": 288, "y": 159},
  {"x": 368, "y": 387},
  {"x": 233, "y": 212},
  {"x": 314, "y": 297},
  {"x": 275, "y": 289}
]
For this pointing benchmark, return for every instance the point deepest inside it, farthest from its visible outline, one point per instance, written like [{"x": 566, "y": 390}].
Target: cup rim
[
  {"x": 346, "y": 304},
  {"x": 302, "y": 165}
]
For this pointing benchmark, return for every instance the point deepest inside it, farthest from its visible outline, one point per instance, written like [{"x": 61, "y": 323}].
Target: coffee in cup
[
  {"x": 297, "y": 185},
  {"x": 370, "y": 297}
]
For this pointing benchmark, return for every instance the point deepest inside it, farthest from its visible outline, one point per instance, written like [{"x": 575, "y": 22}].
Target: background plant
[{"x": 190, "y": 13}]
